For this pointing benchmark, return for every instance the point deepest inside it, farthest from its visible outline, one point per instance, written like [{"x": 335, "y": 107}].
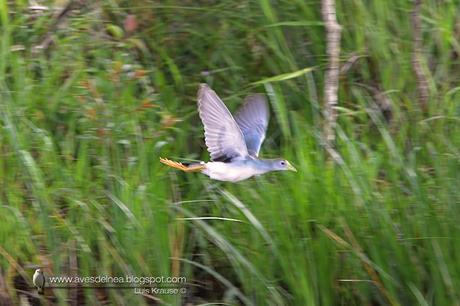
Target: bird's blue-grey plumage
[
  {"x": 233, "y": 143},
  {"x": 252, "y": 118},
  {"x": 223, "y": 136}
]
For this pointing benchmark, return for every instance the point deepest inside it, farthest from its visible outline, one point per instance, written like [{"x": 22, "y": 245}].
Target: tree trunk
[
  {"x": 331, "y": 82},
  {"x": 417, "y": 55}
]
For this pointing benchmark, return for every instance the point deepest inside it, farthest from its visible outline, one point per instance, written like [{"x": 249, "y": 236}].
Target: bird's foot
[{"x": 180, "y": 166}]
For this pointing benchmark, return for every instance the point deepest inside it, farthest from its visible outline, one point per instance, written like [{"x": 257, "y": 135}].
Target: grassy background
[{"x": 84, "y": 122}]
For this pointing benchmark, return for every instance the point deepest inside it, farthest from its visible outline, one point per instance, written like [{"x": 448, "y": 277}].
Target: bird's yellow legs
[{"x": 180, "y": 166}]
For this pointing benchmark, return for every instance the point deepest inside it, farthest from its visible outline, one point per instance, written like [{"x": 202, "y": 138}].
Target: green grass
[{"x": 84, "y": 123}]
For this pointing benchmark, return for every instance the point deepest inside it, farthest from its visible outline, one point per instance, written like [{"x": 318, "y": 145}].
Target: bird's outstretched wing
[
  {"x": 224, "y": 138},
  {"x": 252, "y": 118}
]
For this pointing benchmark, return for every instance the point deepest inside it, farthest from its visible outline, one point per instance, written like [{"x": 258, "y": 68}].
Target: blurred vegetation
[{"x": 90, "y": 99}]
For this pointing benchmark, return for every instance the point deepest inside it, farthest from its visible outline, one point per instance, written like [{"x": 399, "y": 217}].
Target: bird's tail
[
  {"x": 41, "y": 290},
  {"x": 181, "y": 166}
]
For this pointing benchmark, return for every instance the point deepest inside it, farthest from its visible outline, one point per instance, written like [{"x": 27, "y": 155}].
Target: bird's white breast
[{"x": 231, "y": 172}]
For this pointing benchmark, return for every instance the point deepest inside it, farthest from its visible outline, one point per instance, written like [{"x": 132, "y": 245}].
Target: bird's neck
[{"x": 264, "y": 165}]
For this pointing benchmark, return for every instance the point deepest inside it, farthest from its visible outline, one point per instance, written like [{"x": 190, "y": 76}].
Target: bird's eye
[{"x": 282, "y": 163}]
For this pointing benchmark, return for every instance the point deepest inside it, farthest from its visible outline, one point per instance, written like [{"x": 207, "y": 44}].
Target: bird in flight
[{"x": 232, "y": 141}]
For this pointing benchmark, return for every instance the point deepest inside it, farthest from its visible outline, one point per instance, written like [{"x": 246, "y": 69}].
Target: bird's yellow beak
[{"x": 291, "y": 167}]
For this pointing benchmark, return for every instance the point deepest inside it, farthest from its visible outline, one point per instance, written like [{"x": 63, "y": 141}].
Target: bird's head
[
  {"x": 281, "y": 164},
  {"x": 39, "y": 271}
]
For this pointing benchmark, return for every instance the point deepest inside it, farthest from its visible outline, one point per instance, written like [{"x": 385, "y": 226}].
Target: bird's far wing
[
  {"x": 252, "y": 118},
  {"x": 222, "y": 134}
]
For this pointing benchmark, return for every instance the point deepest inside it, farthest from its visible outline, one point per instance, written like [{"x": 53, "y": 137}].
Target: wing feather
[
  {"x": 252, "y": 118},
  {"x": 223, "y": 136}
]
